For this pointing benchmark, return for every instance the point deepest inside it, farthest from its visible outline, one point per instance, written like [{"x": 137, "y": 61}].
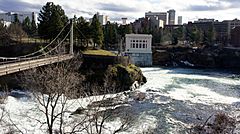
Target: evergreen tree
[
  {"x": 110, "y": 34},
  {"x": 52, "y": 19},
  {"x": 16, "y": 20},
  {"x": 124, "y": 29},
  {"x": 83, "y": 31},
  {"x": 211, "y": 35},
  {"x": 27, "y": 25},
  {"x": 97, "y": 32},
  {"x": 4, "y": 37},
  {"x": 33, "y": 27}
]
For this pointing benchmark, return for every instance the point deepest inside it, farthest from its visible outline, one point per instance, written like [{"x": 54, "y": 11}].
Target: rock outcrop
[{"x": 208, "y": 57}]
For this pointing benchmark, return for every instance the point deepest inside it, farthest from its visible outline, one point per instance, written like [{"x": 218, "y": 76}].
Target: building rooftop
[{"x": 138, "y": 35}]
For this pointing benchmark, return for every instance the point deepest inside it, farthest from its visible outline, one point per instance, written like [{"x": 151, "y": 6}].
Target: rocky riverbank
[
  {"x": 205, "y": 57},
  {"x": 111, "y": 72}
]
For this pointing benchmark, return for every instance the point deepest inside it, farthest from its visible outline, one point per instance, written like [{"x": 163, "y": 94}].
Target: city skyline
[{"x": 190, "y": 10}]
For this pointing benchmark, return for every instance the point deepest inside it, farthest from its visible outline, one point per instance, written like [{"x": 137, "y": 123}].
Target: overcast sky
[{"x": 133, "y": 9}]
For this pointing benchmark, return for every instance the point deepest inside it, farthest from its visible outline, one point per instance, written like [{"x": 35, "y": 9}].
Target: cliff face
[
  {"x": 111, "y": 72},
  {"x": 213, "y": 57}
]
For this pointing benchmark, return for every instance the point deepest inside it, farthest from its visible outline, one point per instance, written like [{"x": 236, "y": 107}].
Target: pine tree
[
  {"x": 83, "y": 31},
  {"x": 27, "y": 25},
  {"x": 97, "y": 32},
  {"x": 33, "y": 27},
  {"x": 110, "y": 34},
  {"x": 4, "y": 37},
  {"x": 52, "y": 19}
]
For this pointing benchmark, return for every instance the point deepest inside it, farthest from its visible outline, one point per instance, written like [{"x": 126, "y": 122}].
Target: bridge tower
[{"x": 71, "y": 38}]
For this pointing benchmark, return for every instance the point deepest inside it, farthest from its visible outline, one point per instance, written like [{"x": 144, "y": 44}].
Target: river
[
  {"x": 178, "y": 98},
  {"x": 175, "y": 99}
]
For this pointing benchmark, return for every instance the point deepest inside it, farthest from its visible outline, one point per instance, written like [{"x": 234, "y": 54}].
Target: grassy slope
[{"x": 99, "y": 52}]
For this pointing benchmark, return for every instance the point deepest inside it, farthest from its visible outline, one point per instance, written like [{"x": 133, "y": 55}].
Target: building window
[
  {"x": 140, "y": 45},
  {"x": 146, "y": 45},
  {"x": 136, "y": 40},
  {"x": 133, "y": 40},
  {"x": 133, "y": 45},
  {"x": 143, "y": 45},
  {"x": 136, "y": 45}
]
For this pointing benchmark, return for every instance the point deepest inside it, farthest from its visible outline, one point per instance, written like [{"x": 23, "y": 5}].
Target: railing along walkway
[{"x": 24, "y": 65}]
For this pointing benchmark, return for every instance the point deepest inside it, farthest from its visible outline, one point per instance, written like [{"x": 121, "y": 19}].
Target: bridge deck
[{"x": 24, "y": 65}]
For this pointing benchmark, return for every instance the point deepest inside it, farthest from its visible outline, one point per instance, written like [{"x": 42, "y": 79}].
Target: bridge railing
[{"x": 24, "y": 65}]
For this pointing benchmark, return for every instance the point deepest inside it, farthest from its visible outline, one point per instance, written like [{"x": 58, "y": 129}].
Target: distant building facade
[
  {"x": 21, "y": 16},
  {"x": 235, "y": 37},
  {"x": 102, "y": 19},
  {"x": 171, "y": 17},
  {"x": 180, "y": 22},
  {"x": 124, "y": 21},
  {"x": 139, "y": 48},
  {"x": 204, "y": 20},
  {"x": 155, "y": 23},
  {"x": 159, "y": 15}
]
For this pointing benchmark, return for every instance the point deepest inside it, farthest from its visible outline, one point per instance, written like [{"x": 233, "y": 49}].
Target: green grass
[
  {"x": 99, "y": 52},
  {"x": 30, "y": 40}
]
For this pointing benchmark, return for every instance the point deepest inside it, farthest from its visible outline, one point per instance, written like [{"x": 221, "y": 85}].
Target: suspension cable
[
  {"x": 44, "y": 54},
  {"x": 24, "y": 56}
]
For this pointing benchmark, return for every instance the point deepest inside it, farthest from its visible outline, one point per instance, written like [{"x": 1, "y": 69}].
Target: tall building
[
  {"x": 160, "y": 15},
  {"x": 102, "y": 19},
  {"x": 155, "y": 23},
  {"x": 10, "y": 16},
  {"x": 124, "y": 21},
  {"x": 179, "y": 20},
  {"x": 171, "y": 17}
]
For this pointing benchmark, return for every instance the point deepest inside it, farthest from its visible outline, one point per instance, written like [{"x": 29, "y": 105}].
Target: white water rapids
[{"x": 175, "y": 100}]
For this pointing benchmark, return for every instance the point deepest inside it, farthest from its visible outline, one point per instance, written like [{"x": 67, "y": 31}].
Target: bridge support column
[{"x": 71, "y": 38}]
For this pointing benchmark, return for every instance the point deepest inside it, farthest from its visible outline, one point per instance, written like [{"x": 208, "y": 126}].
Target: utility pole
[{"x": 71, "y": 37}]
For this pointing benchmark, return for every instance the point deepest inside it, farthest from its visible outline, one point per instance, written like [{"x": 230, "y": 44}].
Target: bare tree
[
  {"x": 219, "y": 123},
  {"x": 52, "y": 87},
  {"x": 58, "y": 87},
  {"x": 16, "y": 32},
  {"x": 106, "y": 106}
]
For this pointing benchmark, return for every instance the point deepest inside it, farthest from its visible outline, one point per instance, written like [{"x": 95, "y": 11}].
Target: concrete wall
[{"x": 141, "y": 59}]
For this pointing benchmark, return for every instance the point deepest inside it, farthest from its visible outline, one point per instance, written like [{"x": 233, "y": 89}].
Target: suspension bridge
[{"x": 47, "y": 55}]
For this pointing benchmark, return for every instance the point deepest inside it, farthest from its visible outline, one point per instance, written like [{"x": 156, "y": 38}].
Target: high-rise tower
[{"x": 171, "y": 17}]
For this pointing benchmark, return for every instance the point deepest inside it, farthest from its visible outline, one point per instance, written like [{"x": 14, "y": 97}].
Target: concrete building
[
  {"x": 124, "y": 21},
  {"x": 160, "y": 15},
  {"x": 102, "y": 19},
  {"x": 231, "y": 24},
  {"x": 156, "y": 23},
  {"x": 222, "y": 32},
  {"x": 141, "y": 24},
  {"x": 204, "y": 20},
  {"x": 171, "y": 17},
  {"x": 180, "y": 20},
  {"x": 10, "y": 16},
  {"x": 139, "y": 48},
  {"x": 235, "y": 37}
]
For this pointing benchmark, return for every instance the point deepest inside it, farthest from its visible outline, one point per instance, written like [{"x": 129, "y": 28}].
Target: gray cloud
[
  {"x": 73, "y": 10},
  {"x": 218, "y": 5},
  {"x": 16, "y": 5},
  {"x": 115, "y": 8},
  {"x": 205, "y": 8}
]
